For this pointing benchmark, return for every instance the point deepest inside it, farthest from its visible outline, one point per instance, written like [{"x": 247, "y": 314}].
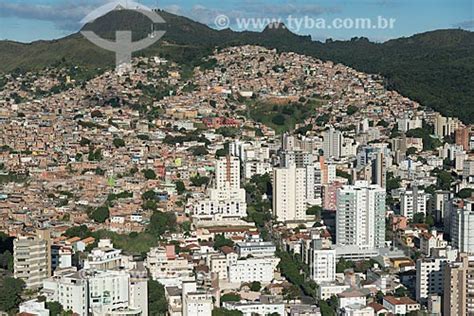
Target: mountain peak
[{"x": 276, "y": 26}]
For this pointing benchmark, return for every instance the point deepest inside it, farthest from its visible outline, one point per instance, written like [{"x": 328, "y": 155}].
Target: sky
[{"x": 31, "y": 20}]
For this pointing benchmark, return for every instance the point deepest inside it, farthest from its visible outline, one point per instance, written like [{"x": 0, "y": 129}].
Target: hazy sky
[{"x": 29, "y": 20}]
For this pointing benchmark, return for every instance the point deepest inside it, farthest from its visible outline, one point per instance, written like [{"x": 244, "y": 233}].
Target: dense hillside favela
[{"x": 257, "y": 183}]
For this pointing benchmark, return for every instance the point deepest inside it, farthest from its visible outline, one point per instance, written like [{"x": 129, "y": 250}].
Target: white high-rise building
[
  {"x": 360, "y": 219},
  {"x": 332, "y": 146},
  {"x": 413, "y": 201},
  {"x": 226, "y": 200},
  {"x": 322, "y": 262},
  {"x": 289, "y": 193},
  {"x": 429, "y": 277},
  {"x": 462, "y": 234}
]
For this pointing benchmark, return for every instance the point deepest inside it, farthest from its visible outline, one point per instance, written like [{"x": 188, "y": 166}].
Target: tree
[
  {"x": 315, "y": 210},
  {"x": 198, "y": 181},
  {"x": 199, "y": 151},
  {"x": 352, "y": 109},
  {"x": 429, "y": 220},
  {"x": 6, "y": 261},
  {"x": 221, "y": 241},
  {"x": 255, "y": 286},
  {"x": 291, "y": 293},
  {"x": 401, "y": 292},
  {"x": 78, "y": 231},
  {"x": 180, "y": 187},
  {"x": 161, "y": 222},
  {"x": 100, "y": 214},
  {"x": 326, "y": 310},
  {"x": 343, "y": 265},
  {"x": 10, "y": 295},
  {"x": 118, "y": 142},
  {"x": 419, "y": 218},
  {"x": 157, "y": 304},
  {"x": 230, "y": 297},
  {"x": 225, "y": 312},
  {"x": 465, "y": 193},
  {"x": 411, "y": 151},
  {"x": 278, "y": 120},
  {"x": 149, "y": 174},
  {"x": 55, "y": 308}
]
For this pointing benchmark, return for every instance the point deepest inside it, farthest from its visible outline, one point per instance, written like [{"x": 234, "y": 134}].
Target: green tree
[
  {"x": 230, "y": 297},
  {"x": 316, "y": 211},
  {"x": 6, "y": 261},
  {"x": 278, "y": 120},
  {"x": 291, "y": 293},
  {"x": 198, "y": 180},
  {"x": 118, "y": 142},
  {"x": 161, "y": 222},
  {"x": 199, "y": 151},
  {"x": 255, "y": 286},
  {"x": 225, "y": 312},
  {"x": 411, "y": 151},
  {"x": 465, "y": 193},
  {"x": 100, "y": 214},
  {"x": 149, "y": 174},
  {"x": 78, "y": 231},
  {"x": 157, "y": 303},
  {"x": 10, "y": 295},
  {"x": 221, "y": 241},
  {"x": 55, "y": 308},
  {"x": 180, "y": 187}
]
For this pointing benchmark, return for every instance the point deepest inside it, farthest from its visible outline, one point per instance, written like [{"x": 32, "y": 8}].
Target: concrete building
[
  {"x": 167, "y": 268},
  {"x": 401, "y": 305},
  {"x": 226, "y": 199},
  {"x": 429, "y": 277},
  {"x": 322, "y": 262},
  {"x": 32, "y": 259},
  {"x": 445, "y": 126},
  {"x": 360, "y": 219},
  {"x": 102, "y": 293},
  {"x": 459, "y": 287},
  {"x": 332, "y": 146},
  {"x": 253, "y": 269},
  {"x": 196, "y": 302},
  {"x": 104, "y": 256},
  {"x": 413, "y": 201},
  {"x": 256, "y": 308},
  {"x": 462, "y": 234},
  {"x": 289, "y": 194}
]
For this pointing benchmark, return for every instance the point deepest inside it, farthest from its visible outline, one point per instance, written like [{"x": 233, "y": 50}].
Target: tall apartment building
[
  {"x": 413, "y": 201},
  {"x": 445, "y": 126},
  {"x": 429, "y": 277},
  {"x": 32, "y": 258},
  {"x": 226, "y": 199},
  {"x": 332, "y": 145},
  {"x": 322, "y": 262},
  {"x": 289, "y": 193},
  {"x": 360, "y": 217},
  {"x": 462, "y": 234},
  {"x": 459, "y": 287}
]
